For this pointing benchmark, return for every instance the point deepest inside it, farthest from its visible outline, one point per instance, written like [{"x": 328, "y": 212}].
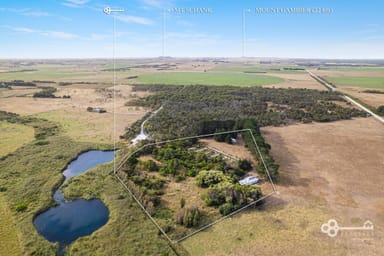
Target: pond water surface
[{"x": 68, "y": 221}]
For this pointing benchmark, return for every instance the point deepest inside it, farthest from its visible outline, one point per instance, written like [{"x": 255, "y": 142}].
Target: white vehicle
[{"x": 250, "y": 180}]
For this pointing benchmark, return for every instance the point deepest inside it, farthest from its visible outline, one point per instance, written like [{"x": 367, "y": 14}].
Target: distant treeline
[
  {"x": 293, "y": 68},
  {"x": 22, "y": 70},
  {"x": 48, "y": 92},
  {"x": 374, "y": 91},
  {"x": 186, "y": 112},
  {"x": 5, "y": 86},
  {"x": 71, "y": 83},
  {"x": 18, "y": 83},
  {"x": 197, "y": 110},
  {"x": 116, "y": 69},
  {"x": 44, "y": 82}
]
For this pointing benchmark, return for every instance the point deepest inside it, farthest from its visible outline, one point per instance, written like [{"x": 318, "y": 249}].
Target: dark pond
[{"x": 68, "y": 221}]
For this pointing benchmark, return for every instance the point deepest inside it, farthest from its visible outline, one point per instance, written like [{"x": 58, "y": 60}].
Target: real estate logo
[{"x": 331, "y": 228}]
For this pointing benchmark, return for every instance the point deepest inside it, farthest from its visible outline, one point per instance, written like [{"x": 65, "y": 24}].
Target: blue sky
[{"x": 79, "y": 29}]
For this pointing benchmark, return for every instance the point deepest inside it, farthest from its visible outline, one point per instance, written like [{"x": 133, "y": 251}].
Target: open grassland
[
  {"x": 342, "y": 172},
  {"x": 76, "y": 122},
  {"x": 292, "y": 80},
  {"x": 373, "y": 99},
  {"x": 30, "y": 106},
  {"x": 13, "y": 136},
  {"x": 9, "y": 242},
  {"x": 28, "y": 177},
  {"x": 209, "y": 78},
  {"x": 18, "y": 92},
  {"x": 128, "y": 231},
  {"x": 364, "y": 82},
  {"x": 356, "y": 82},
  {"x": 338, "y": 176},
  {"x": 45, "y": 74},
  {"x": 84, "y": 126},
  {"x": 274, "y": 230}
]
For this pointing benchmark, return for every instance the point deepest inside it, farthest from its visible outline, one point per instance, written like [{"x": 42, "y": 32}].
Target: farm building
[{"x": 96, "y": 110}]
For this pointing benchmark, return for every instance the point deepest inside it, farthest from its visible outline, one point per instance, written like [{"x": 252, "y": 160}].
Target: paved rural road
[{"x": 334, "y": 89}]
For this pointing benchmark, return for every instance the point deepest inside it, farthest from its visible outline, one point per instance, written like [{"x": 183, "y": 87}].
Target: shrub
[
  {"x": 227, "y": 208},
  {"x": 47, "y": 92},
  {"x": 245, "y": 165},
  {"x": 151, "y": 166},
  {"x": 42, "y": 143},
  {"x": 188, "y": 217},
  {"x": 208, "y": 178},
  {"x": 179, "y": 177},
  {"x": 21, "y": 207},
  {"x": 380, "y": 110},
  {"x": 182, "y": 202},
  {"x": 234, "y": 194}
]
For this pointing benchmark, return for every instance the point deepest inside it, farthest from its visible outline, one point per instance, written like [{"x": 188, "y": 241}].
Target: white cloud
[
  {"x": 134, "y": 19},
  {"x": 75, "y": 3},
  {"x": 97, "y": 37},
  {"x": 36, "y": 14},
  {"x": 79, "y": 2},
  {"x": 59, "y": 34},
  {"x": 25, "y": 30},
  {"x": 157, "y": 3},
  {"x": 48, "y": 33},
  {"x": 26, "y": 12}
]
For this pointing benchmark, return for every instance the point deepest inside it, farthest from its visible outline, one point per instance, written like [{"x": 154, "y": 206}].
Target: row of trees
[
  {"x": 48, "y": 92},
  {"x": 18, "y": 83}
]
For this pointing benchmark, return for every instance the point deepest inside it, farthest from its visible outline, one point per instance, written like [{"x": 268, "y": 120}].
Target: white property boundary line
[{"x": 216, "y": 221}]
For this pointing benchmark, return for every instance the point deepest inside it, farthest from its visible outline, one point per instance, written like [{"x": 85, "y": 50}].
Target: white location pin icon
[{"x": 107, "y": 10}]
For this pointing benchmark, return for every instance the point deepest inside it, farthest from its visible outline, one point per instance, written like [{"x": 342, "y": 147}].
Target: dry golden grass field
[{"x": 332, "y": 170}]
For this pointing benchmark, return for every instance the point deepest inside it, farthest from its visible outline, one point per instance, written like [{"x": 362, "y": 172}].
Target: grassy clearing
[
  {"x": 209, "y": 78},
  {"x": 13, "y": 136},
  {"x": 81, "y": 126},
  {"x": 276, "y": 230},
  {"x": 128, "y": 231},
  {"x": 364, "y": 82},
  {"x": 9, "y": 242}
]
